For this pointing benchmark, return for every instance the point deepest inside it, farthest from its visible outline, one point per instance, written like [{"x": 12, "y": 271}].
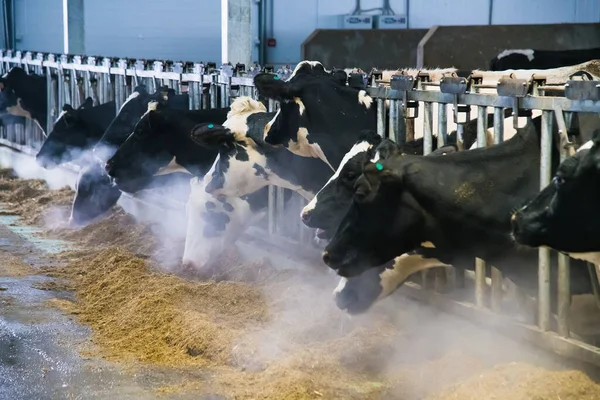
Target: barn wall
[
  {"x": 182, "y": 30},
  {"x": 38, "y": 25}
]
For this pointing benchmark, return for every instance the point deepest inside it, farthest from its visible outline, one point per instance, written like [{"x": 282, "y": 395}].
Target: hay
[
  {"x": 153, "y": 317},
  {"x": 14, "y": 266},
  {"x": 257, "y": 332},
  {"x": 521, "y": 381}
]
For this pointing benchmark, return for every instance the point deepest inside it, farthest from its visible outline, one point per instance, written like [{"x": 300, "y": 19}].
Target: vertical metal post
[
  {"x": 564, "y": 276},
  {"x": 441, "y": 274},
  {"x": 544, "y": 253},
  {"x": 497, "y": 293},
  {"x": 479, "y": 263},
  {"x": 393, "y": 120},
  {"x": 427, "y": 148},
  {"x": 271, "y": 206},
  {"x": 381, "y": 117}
]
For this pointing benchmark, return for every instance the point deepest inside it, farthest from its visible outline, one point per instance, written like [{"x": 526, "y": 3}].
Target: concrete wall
[
  {"x": 364, "y": 49},
  {"x": 39, "y": 25},
  {"x": 467, "y": 47}
]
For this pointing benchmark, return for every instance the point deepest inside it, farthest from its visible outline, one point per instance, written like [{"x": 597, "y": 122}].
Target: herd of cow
[{"x": 385, "y": 210}]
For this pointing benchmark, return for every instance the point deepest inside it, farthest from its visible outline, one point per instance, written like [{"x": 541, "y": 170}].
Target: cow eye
[
  {"x": 349, "y": 176},
  {"x": 558, "y": 180}
]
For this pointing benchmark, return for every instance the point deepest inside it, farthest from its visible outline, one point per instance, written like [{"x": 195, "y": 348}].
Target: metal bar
[
  {"x": 393, "y": 121},
  {"x": 497, "y": 292},
  {"x": 544, "y": 253},
  {"x": 427, "y": 128},
  {"x": 479, "y": 263},
  {"x": 442, "y": 133},
  {"x": 498, "y": 125},
  {"x": 491, "y": 100},
  {"x": 421, "y": 46},
  {"x": 381, "y": 131}
]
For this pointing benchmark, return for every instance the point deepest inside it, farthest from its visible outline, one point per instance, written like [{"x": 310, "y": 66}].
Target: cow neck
[{"x": 98, "y": 118}]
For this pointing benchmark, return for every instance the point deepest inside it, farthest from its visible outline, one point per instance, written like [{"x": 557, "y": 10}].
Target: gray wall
[{"x": 39, "y": 25}]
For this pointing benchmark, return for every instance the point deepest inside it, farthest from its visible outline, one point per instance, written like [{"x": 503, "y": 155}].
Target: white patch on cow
[
  {"x": 356, "y": 149},
  {"x": 305, "y": 149},
  {"x": 200, "y": 251},
  {"x": 131, "y": 97},
  {"x": 429, "y": 245},
  {"x": 62, "y": 114},
  {"x": 365, "y": 99},
  {"x": 586, "y": 146},
  {"x": 171, "y": 168},
  {"x": 376, "y": 157},
  {"x": 301, "y": 107},
  {"x": 391, "y": 278},
  {"x": 302, "y": 63},
  {"x": 18, "y": 110},
  {"x": 270, "y": 124},
  {"x": 525, "y": 52},
  {"x": 404, "y": 266}
]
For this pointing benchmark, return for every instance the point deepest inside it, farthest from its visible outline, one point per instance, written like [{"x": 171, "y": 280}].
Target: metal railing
[{"x": 70, "y": 79}]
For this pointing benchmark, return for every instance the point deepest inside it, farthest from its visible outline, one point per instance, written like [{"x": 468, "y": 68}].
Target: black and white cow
[
  {"x": 24, "y": 95},
  {"x": 541, "y": 59},
  {"x": 458, "y": 203},
  {"x": 75, "y": 132},
  {"x": 162, "y": 143},
  {"x": 95, "y": 192},
  {"x": 565, "y": 214},
  {"x": 326, "y": 209}
]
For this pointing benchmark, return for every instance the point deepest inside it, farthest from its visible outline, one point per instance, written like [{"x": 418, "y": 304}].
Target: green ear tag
[
  {"x": 210, "y": 126},
  {"x": 276, "y": 77},
  {"x": 379, "y": 167}
]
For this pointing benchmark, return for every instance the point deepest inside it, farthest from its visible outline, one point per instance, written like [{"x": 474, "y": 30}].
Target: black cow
[
  {"x": 95, "y": 191},
  {"x": 327, "y": 207},
  {"x": 564, "y": 215},
  {"x": 459, "y": 203},
  {"x": 541, "y": 59},
  {"x": 75, "y": 132},
  {"x": 25, "y": 95},
  {"x": 161, "y": 144}
]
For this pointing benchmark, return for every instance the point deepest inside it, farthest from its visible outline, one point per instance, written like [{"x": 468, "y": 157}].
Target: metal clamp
[
  {"x": 515, "y": 88},
  {"x": 582, "y": 90},
  {"x": 455, "y": 85},
  {"x": 404, "y": 83}
]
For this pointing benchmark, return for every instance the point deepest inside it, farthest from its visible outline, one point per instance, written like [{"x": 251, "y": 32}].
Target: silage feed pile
[{"x": 259, "y": 333}]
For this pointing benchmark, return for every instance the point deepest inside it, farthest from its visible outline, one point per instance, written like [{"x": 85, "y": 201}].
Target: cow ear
[
  {"x": 442, "y": 151},
  {"x": 212, "y": 136},
  {"x": 67, "y": 108},
  {"x": 87, "y": 103},
  {"x": 387, "y": 149},
  {"x": 272, "y": 87},
  {"x": 141, "y": 89}
]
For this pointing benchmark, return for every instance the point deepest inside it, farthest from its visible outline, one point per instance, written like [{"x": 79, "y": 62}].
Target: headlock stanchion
[{"x": 72, "y": 79}]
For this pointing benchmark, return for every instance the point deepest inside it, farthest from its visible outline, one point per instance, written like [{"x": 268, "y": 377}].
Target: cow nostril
[
  {"x": 326, "y": 257},
  {"x": 305, "y": 216}
]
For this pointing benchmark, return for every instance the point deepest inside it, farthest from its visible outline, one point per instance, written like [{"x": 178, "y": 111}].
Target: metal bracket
[
  {"x": 376, "y": 76},
  {"x": 582, "y": 90},
  {"x": 404, "y": 83},
  {"x": 515, "y": 88},
  {"x": 455, "y": 85}
]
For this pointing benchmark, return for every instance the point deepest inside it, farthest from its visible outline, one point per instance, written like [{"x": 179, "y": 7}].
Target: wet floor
[{"x": 41, "y": 348}]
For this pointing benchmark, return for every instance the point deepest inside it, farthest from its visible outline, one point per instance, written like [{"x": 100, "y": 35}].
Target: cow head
[
  {"x": 134, "y": 107},
  {"x": 561, "y": 216},
  {"x": 95, "y": 194},
  {"x": 327, "y": 207},
  {"x": 318, "y": 117},
  {"x": 215, "y": 223},
  {"x": 68, "y": 138},
  {"x": 24, "y": 95},
  {"x": 358, "y": 294},
  {"x": 382, "y": 221},
  {"x": 147, "y": 152}
]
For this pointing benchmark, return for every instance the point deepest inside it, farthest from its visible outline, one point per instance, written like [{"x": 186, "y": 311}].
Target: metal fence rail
[{"x": 71, "y": 79}]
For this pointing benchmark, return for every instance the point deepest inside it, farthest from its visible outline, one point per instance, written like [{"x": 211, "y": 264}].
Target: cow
[
  {"x": 75, "y": 132},
  {"x": 541, "y": 59},
  {"x": 95, "y": 192},
  {"x": 562, "y": 216},
  {"x": 25, "y": 95},
  {"x": 327, "y": 207},
  {"x": 161, "y": 144},
  {"x": 453, "y": 208}
]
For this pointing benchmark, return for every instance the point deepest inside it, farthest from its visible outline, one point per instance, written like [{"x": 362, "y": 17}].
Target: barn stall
[{"x": 268, "y": 327}]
